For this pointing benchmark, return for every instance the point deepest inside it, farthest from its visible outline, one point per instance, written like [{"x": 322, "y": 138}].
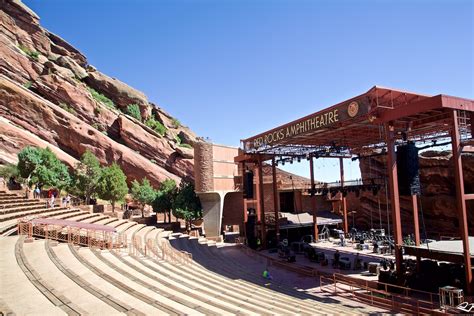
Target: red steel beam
[
  {"x": 313, "y": 200},
  {"x": 414, "y": 202},
  {"x": 344, "y": 201},
  {"x": 394, "y": 195},
  {"x": 461, "y": 203},
  {"x": 261, "y": 203},
  {"x": 275, "y": 201},
  {"x": 428, "y": 104}
]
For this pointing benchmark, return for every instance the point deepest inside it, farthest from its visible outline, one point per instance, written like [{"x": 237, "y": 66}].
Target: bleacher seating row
[{"x": 46, "y": 277}]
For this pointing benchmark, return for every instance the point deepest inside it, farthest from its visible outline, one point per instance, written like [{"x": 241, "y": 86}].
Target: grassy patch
[
  {"x": 181, "y": 143},
  {"x": 175, "y": 123},
  {"x": 67, "y": 107},
  {"x": 101, "y": 98},
  {"x": 134, "y": 111},
  {"x": 27, "y": 84},
  {"x": 185, "y": 146},
  {"x": 30, "y": 53},
  {"x": 156, "y": 126}
]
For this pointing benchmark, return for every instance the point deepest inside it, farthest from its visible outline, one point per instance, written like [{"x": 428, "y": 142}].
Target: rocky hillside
[
  {"x": 51, "y": 96},
  {"x": 438, "y": 197}
]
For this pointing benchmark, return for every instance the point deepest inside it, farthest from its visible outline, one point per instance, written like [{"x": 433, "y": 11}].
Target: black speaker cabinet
[
  {"x": 408, "y": 170},
  {"x": 248, "y": 185}
]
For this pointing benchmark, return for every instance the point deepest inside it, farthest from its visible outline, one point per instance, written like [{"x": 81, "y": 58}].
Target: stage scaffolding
[{"x": 377, "y": 121}]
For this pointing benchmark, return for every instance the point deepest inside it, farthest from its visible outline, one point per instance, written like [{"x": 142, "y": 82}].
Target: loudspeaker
[
  {"x": 408, "y": 169},
  {"x": 250, "y": 231},
  {"x": 248, "y": 184}
]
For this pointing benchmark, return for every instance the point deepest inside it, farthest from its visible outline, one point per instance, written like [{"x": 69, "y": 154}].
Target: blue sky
[{"x": 231, "y": 69}]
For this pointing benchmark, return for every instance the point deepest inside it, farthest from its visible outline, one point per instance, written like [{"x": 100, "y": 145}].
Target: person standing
[{"x": 68, "y": 200}]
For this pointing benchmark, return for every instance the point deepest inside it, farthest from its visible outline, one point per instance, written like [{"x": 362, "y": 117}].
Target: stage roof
[{"x": 356, "y": 125}]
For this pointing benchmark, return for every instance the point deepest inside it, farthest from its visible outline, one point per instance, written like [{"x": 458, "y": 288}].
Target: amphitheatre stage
[{"x": 391, "y": 126}]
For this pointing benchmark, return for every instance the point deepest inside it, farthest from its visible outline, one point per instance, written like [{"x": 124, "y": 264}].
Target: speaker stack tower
[{"x": 408, "y": 170}]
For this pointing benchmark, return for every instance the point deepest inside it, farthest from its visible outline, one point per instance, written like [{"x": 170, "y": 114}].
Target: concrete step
[
  {"x": 175, "y": 291},
  {"x": 36, "y": 254},
  {"x": 7, "y": 217},
  {"x": 16, "y": 290},
  {"x": 100, "y": 281},
  {"x": 145, "y": 294},
  {"x": 244, "y": 281},
  {"x": 47, "y": 289},
  {"x": 12, "y": 224},
  {"x": 245, "y": 300}
]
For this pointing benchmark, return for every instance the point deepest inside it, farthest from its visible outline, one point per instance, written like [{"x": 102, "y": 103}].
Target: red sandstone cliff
[
  {"x": 45, "y": 91},
  {"x": 438, "y": 198}
]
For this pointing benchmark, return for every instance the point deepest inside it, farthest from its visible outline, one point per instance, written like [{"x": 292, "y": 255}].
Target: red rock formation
[
  {"x": 58, "y": 107},
  {"x": 438, "y": 199}
]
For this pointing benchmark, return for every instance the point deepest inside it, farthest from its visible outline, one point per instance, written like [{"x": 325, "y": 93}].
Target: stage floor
[{"x": 449, "y": 246}]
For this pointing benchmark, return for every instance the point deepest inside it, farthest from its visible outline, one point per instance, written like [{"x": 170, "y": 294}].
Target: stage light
[
  {"x": 298, "y": 159},
  {"x": 282, "y": 162}
]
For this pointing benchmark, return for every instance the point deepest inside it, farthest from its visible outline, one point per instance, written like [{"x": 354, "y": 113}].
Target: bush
[
  {"x": 101, "y": 98},
  {"x": 67, "y": 107},
  {"x": 97, "y": 110},
  {"x": 156, "y": 126},
  {"x": 27, "y": 84},
  {"x": 134, "y": 111},
  {"x": 180, "y": 143},
  {"x": 176, "y": 123},
  {"x": 30, "y": 53}
]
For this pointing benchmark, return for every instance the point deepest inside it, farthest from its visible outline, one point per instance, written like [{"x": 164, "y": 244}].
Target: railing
[
  {"x": 382, "y": 298},
  {"x": 159, "y": 250},
  {"x": 73, "y": 235},
  {"x": 407, "y": 300}
]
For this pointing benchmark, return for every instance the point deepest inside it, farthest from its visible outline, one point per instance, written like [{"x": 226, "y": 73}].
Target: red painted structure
[{"x": 381, "y": 118}]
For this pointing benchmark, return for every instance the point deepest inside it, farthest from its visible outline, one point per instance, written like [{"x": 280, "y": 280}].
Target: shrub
[
  {"x": 30, "y": 53},
  {"x": 156, "y": 126},
  {"x": 27, "y": 84},
  {"x": 96, "y": 126},
  {"x": 67, "y": 107},
  {"x": 175, "y": 122},
  {"x": 180, "y": 142},
  {"x": 97, "y": 110},
  {"x": 134, "y": 111},
  {"x": 101, "y": 98},
  {"x": 186, "y": 146}
]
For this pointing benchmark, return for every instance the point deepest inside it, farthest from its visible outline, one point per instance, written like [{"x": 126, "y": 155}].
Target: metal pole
[
  {"x": 262, "y": 201},
  {"x": 344, "y": 202},
  {"x": 414, "y": 202},
  {"x": 275, "y": 200},
  {"x": 313, "y": 200},
  {"x": 245, "y": 201},
  {"x": 461, "y": 202},
  {"x": 394, "y": 195}
]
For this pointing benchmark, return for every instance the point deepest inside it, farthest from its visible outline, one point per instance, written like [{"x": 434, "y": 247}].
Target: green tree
[
  {"x": 86, "y": 176},
  {"x": 187, "y": 204},
  {"x": 112, "y": 184},
  {"x": 134, "y": 111},
  {"x": 165, "y": 196},
  {"x": 38, "y": 165},
  {"x": 143, "y": 193}
]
